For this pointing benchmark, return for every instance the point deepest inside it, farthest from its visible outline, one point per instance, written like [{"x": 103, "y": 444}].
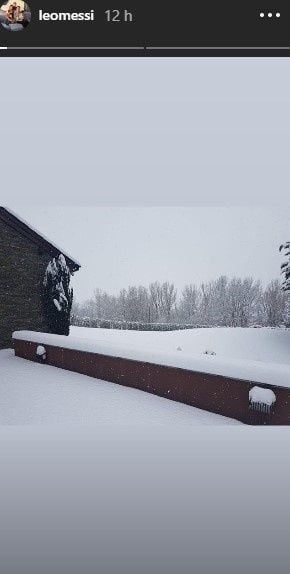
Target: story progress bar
[
  {"x": 147, "y": 48},
  {"x": 72, "y": 48}
]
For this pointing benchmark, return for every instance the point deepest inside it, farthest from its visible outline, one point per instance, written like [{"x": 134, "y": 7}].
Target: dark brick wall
[
  {"x": 215, "y": 393},
  {"x": 22, "y": 268}
]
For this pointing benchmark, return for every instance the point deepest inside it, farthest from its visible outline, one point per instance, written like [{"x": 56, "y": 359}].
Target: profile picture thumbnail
[{"x": 15, "y": 15}]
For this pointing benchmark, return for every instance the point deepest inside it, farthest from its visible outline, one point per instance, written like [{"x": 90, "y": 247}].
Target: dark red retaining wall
[{"x": 214, "y": 393}]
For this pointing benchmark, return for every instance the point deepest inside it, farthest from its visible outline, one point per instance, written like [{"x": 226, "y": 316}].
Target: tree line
[{"x": 224, "y": 302}]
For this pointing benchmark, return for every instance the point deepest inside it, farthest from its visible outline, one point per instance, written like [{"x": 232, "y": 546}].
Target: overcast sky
[
  {"x": 143, "y": 131},
  {"x": 122, "y": 246},
  {"x": 89, "y": 133}
]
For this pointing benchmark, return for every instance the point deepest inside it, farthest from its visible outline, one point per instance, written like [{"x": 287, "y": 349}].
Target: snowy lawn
[
  {"x": 265, "y": 344},
  {"x": 39, "y": 394}
]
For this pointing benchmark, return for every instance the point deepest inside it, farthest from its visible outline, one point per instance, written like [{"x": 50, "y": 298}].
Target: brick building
[{"x": 24, "y": 255}]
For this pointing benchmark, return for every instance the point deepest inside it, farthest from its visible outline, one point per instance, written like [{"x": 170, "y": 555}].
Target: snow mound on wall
[
  {"x": 40, "y": 351},
  {"x": 260, "y": 395}
]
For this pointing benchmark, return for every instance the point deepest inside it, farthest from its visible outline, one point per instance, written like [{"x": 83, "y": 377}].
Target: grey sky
[
  {"x": 122, "y": 246},
  {"x": 124, "y": 132},
  {"x": 143, "y": 131}
]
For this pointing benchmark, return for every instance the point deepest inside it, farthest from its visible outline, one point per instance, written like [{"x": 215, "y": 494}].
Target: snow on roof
[{"x": 40, "y": 235}]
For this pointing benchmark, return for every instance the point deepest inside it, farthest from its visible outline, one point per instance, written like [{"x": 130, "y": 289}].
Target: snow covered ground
[
  {"x": 153, "y": 483},
  {"x": 39, "y": 394},
  {"x": 250, "y": 344},
  {"x": 36, "y": 394}
]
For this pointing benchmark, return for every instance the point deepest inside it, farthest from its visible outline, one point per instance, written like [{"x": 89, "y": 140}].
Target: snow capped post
[{"x": 58, "y": 295}]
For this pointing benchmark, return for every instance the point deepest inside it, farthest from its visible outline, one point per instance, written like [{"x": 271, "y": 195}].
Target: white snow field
[
  {"x": 39, "y": 394},
  {"x": 270, "y": 345},
  {"x": 35, "y": 394}
]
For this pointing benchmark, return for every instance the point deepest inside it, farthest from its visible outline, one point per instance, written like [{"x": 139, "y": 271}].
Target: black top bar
[{"x": 195, "y": 28}]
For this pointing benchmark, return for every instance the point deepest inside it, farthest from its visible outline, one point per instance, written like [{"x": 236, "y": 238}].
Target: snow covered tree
[
  {"x": 213, "y": 309},
  {"x": 285, "y": 270},
  {"x": 58, "y": 295},
  {"x": 223, "y": 302},
  {"x": 243, "y": 297},
  {"x": 285, "y": 267},
  {"x": 274, "y": 304},
  {"x": 155, "y": 300},
  {"x": 168, "y": 295},
  {"x": 220, "y": 307},
  {"x": 206, "y": 308},
  {"x": 188, "y": 306}
]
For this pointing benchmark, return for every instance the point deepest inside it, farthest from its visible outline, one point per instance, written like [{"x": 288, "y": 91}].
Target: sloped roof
[{"x": 29, "y": 232}]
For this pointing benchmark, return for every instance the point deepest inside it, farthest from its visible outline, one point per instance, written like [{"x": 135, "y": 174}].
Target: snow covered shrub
[
  {"x": 209, "y": 352},
  {"x": 285, "y": 267},
  {"x": 58, "y": 296},
  {"x": 95, "y": 322},
  {"x": 285, "y": 270}
]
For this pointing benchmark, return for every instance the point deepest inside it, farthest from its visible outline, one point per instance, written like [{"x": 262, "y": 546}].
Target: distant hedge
[{"x": 129, "y": 325}]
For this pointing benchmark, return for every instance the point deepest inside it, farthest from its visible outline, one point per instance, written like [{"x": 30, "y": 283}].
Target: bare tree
[
  {"x": 274, "y": 304},
  {"x": 155, "y": 300},
  {"x": 206, "y": 309},
  {"x": 168, "y": 299},
  {"x": 222, "y": 302},
  {"x": 243, "y": 296},
  {"x": 189, "y": 303}
]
